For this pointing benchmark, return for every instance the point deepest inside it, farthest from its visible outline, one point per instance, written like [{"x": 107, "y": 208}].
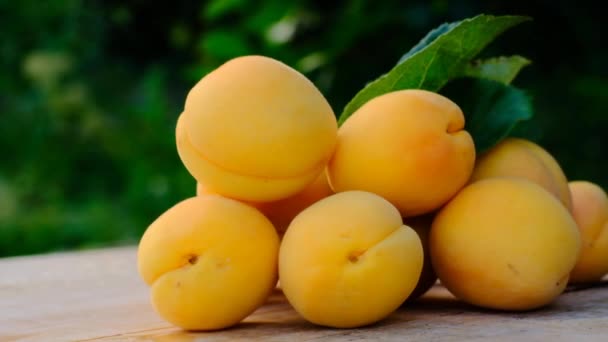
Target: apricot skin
[
  {"x": 211, "y": 261},
  {"x": 407, "y": 146},
  {"x": 590, "y": 211},
  {"x": 504, "y": 243},
  {"x": 348, "y": 260},
  {"x": 514, "y": 157},
  {"x": 255, "y": 130},
  {"x": 281, "y": 212}
]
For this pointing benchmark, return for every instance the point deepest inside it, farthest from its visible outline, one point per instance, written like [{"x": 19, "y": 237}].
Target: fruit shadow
[{"x": 439, "y": 301}]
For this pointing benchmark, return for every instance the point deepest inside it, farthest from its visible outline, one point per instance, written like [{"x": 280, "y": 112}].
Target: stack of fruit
[{"x": 284, "y": 194}]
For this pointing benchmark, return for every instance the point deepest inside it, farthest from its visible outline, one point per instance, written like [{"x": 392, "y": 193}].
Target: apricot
[
  {"x": 514, "y": 157},
  {"x": 210, "y": 260},
  {"x": 256, "y": 130},
  {"x": 590, "y": 211},
  {"x": 407, "y": 146},
  {"x": 281, "y": 212},
  {"x": 348, "y": 260},
  {"x": 504, "y": 243},
  {"x": 422, "y": 226}
]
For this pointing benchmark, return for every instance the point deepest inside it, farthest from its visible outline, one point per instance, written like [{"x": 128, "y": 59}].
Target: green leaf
[
  {"x": 500, "y": 69},
  {"x": 439, "y": 57},
  {"x": 429, "y": 38},
  {"x": 492, "y": 109}
]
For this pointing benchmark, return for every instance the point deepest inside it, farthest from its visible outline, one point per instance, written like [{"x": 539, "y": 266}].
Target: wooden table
[{"x": 98, "y": 296}]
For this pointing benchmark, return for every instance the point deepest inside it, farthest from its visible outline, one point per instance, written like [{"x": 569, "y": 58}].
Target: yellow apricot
[
  {"x": 348, "y": 260},
  {"x": 407, "y": 146},
  {"x": 281, "y": 212},
  {"x": 233, "y": 185},
  {"x": 504, "y": 243},
  {"x": 422, "y": 226},
  {"x": 514, "y": 157},
  {"x": 590, "y": 211},
  {"x": 210, "y": 260},
  {"x": 201, "y": 190},
  {"x": 255, "y": 130}
]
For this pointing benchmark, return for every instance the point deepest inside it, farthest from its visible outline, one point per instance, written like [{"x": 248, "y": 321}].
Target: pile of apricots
[{"x": 352, "y": 222}]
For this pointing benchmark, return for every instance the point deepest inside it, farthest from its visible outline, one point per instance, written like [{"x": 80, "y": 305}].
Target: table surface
[{"x": 98, "y": 296}]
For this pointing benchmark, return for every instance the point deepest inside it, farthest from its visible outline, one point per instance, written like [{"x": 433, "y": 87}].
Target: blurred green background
[{"x": 91, "y": 90}]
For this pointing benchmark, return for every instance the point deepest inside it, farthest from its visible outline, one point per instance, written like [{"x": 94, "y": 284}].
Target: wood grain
[{"x": 98, "y": 296}]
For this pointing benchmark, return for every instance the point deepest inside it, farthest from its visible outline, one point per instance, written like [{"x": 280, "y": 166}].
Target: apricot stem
[
  {"x": 354, "y": 256},
  {"x": 192, "y": 259}
]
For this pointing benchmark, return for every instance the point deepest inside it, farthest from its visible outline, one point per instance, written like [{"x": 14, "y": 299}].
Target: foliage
[
  {"x": 501, "y": 69},
  {"x": 492, "y": 107},
  {"x": 440, "y": 56}
]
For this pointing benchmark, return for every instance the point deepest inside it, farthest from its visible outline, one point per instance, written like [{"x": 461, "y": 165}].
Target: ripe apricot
[
  {"x": 348, "y": 260},
  {"x": 255, "y": 130},
  {"x": 590, "y": 211},
  {"x": 210, "y": 260},
  {"x": 504, "y": 243},
  {"x": 514, "y": 157},
  {"x": 408, "y": 146},
  {"x": 281, "y": 212}
]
